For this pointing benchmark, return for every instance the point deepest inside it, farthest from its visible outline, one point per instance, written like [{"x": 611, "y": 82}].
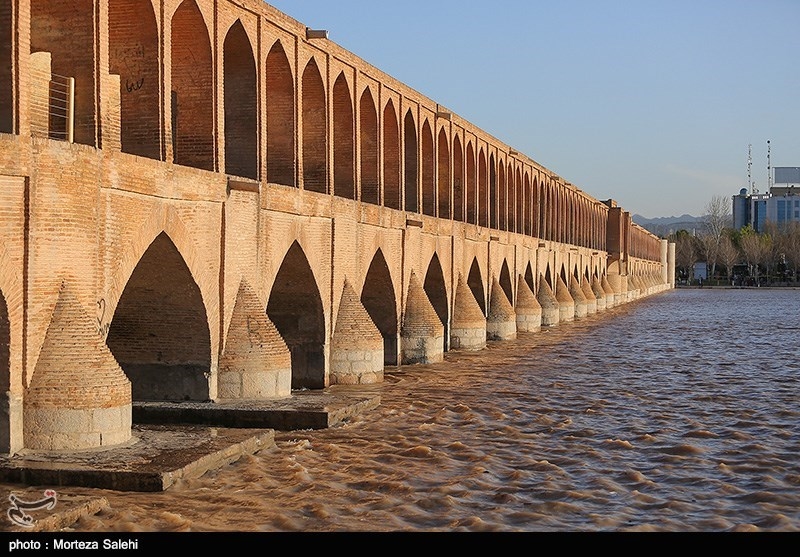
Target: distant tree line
[{"x": 737, "y": 257}]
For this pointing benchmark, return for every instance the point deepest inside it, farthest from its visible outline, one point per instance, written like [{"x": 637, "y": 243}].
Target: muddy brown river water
[{"x": 679, "y": 412}]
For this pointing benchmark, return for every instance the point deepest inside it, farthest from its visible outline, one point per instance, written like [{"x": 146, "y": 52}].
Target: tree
[
  {"x": 755, "y": 248},
  {"x": 728, "y": 254},
  {"x": 685, "y": 253},
  {"x": 717, "y": 216},
  {"x": 709, "y": 247},
  {"x": 790, "y": 246},
  {"x": 716, "y": 219}
]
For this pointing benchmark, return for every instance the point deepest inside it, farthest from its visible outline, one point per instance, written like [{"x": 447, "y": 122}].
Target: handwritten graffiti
[
  {"x": 254, "y": 333},
  {"x": 102, "y": 326},
  {"x": 135, "y": 86},
  {"x": 130, "y": 61},
  {"x": 16, "y": 512}
]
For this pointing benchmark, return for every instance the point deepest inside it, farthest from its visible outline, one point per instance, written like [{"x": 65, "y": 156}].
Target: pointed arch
[
  {"x": 428, "y": 169},
  {"x": 241, "y": 104},
  {"x": 505, "y": 282},
  {"x": 280, "y": 118},
  {"x": 529, "y": 278},
  {"x": 67, "y": 31},
  {"x": 472, "y": 186},
  {"x": 512, "y": 199},
  {"x": 475, "y": 283},
  {"x": 502, "y": 197},
  {"x": 483, "y": 190},
  {"x": 378, "y": 298},
  {"x": 6, "y": 69},
  {"x": 315, "y": 123},
  {"x": 493, "y": 197},
  {"x": 527, "y": 206},
  {"x": 370, "y": 183},
  {"x": 436, "y": 290},
  {"x": 295, "y": 307},
  {"x": 410, "y": 163},
  {"x": 192, "y": 101},
  {"x": 443, "y": 176},
  {"x": 344, "y": 153},
  {"x": 133, "y": 54},
  {"x": 391, "y": 157},
  {"x": 459, "y": 197},
  {"x": 520, "y": 201},
  {"x": 159, "y": 333},
  {"x": 536, "y": 208}
]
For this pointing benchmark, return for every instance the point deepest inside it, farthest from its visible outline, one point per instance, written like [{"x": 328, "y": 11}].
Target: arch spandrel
[{"x": 164, "y": 219}]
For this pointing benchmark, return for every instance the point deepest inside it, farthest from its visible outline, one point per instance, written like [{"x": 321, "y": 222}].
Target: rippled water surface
[{"x": 677, "y": 412}]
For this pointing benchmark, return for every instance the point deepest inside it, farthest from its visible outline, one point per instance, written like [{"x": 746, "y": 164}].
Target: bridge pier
[
  {"x": 566, "y": 304},
  {"x": 528, "y": 309},
  {"x": 501, "y": 323},
  {"x": 422, "y": 333},
  {"x": 551, "y": 309}
]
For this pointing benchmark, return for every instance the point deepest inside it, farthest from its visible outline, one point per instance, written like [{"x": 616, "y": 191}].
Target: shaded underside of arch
[
  {"x": 436, "y": 291},
  {"x": 475, "y": 283},
  {"x": 295, "y": 307},
  {"x": 159, "y": 333},
  {"x": 133, "y": 55},
  {"x": 315, "y": 168},
  {"x": 379, "y": 300},
  {"x": 505, "y": 282},
  {"x": 241, "y": 104},
  {"x": 391, "y": 158},
  {"x": 192, "y": 87},
  {"x": 6, "y": 81},
  {"x": 280, "y": 118}
]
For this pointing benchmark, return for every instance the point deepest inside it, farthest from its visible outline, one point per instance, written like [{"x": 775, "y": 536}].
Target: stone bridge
[{"x": 205, "y": 200}]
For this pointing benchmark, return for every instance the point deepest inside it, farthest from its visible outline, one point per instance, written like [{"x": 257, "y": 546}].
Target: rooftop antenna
[
  {"x": 769, "y": 168},
  {"x": 750, "y": 168}
]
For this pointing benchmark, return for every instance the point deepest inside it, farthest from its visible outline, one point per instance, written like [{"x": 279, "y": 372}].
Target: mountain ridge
[{"x": 664, "y": 226}]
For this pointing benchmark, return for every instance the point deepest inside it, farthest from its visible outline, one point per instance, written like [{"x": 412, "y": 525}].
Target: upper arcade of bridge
[{"x": 242, "y": 89}]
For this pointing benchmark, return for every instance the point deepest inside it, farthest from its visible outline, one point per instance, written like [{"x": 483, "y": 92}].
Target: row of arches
[
  {"x": 160, "y": 334},
  {"x": 366, "y": 144}
]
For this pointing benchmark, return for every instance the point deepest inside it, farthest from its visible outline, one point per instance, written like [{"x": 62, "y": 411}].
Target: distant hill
[{"x": 664, "y": 226}]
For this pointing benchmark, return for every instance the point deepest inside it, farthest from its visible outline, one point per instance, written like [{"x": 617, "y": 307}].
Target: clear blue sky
[{"x": 651, "y": 103}]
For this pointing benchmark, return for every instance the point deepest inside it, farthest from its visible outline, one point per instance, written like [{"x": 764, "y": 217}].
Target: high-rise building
[{"x": 780, "y": 205}]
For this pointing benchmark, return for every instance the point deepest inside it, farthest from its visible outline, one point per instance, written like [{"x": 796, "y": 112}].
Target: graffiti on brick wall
[
  {"x": 133, "y": 59},
  {"x": 102, "y": 326},
  {"x": 135, "y": 86},
  {"x": 254, "y": 332}
]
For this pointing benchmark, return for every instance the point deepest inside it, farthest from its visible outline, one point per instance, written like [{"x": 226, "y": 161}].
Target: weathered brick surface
[
  {"x": 591, "y": 301},
  {"x": 255, "y": 362},
  {"x": 469, "y": 324},
  {"x": 551, "y": 310},
  {"x": 528, "y": 310},
  {"x": 356, "y": 345},
  {"x": 501, "y": 321},
  {"x": 422, "y": 333},
  {"x": 578, "y": 297}
]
